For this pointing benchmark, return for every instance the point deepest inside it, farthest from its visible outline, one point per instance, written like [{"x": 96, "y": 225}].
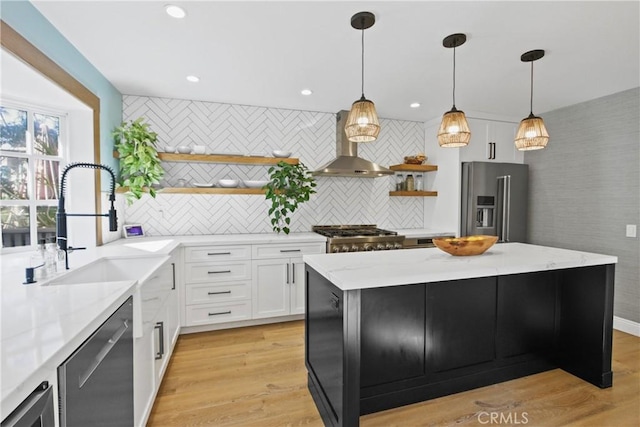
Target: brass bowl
[{"x": 465, "y": 246}]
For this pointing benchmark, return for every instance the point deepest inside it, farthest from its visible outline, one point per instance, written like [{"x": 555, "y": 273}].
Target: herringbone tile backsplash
[{"x": 229, "y": 128}]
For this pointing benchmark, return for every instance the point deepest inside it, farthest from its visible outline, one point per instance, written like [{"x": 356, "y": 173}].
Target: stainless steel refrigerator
[{"x": 494, "y": 200}]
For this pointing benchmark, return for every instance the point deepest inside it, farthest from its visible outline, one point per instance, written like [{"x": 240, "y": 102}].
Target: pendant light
[
  {"x": 454, "y": 129},
  {"x": 532, "y": 133},
  {"x": 362, "y": 122}
]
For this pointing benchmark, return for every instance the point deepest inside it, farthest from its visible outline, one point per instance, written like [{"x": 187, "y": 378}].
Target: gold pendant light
[
  {"x": 532, "y": 133},
  {"x": 454, "y": 129},
  {"x": 362, "y": 123}
]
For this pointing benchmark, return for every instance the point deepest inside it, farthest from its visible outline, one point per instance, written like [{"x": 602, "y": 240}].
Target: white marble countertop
[
  {"x": 360, "y": 270},
  {"x": 41, "y": 326}
]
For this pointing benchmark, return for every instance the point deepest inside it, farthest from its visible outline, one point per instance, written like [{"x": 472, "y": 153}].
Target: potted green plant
[
  {"x": 140, "y": 167},
  {"x": 290, "y": 186}
]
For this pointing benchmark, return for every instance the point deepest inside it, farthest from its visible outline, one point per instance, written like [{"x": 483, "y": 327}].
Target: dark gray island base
[{"x": 372, "y": 349}]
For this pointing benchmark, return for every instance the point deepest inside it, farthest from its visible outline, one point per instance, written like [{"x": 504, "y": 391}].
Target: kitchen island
[{"x": 391, "y": 328}]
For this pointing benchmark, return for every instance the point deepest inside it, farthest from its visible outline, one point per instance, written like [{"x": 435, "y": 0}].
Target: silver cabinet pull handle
[
  {"x": 218, "y": 272},
  {"x": 290, "y": 250},
  {"x": 293, "y": 273},
  {"x": 222, "y": 312},
  {"x": 218, "y": 293},
  {"x": 103, "y": 353},
  {"x": 287, "y": 269},
  {"x": 218, "y": 253},
  {"x": 173, "y": 268},
  {"x": 160, "y": 327}
]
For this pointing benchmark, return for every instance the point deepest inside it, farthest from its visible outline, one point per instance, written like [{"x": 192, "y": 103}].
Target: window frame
[{"x": 32, "y": 203}]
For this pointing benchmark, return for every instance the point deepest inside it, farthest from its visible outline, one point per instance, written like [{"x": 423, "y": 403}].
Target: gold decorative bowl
[{"x": 465, "y": 246}]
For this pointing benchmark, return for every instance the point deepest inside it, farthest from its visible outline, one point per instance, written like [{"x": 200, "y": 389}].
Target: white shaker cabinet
[
  {"x": 279, "y": 278},
  {"x": 154, "y": 344},
  {"x": 217, "y": 284},
  {"x": 492, "y": 141}
]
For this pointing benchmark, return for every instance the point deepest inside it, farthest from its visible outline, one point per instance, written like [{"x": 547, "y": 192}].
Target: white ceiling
[{"x": 264, "y": 53}]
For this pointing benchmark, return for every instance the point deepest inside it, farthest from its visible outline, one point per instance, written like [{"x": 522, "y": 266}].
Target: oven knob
[
  {"x": 335, "y": 249},
  {"x": 344, "y": 248},
  {"x": 355, "y": 248},
  {"x": 368, "y": 247},
  {"x": 390, "y": 246},
  {"x": 380, "y": 247},
  {"x": 397, "y": 246}
]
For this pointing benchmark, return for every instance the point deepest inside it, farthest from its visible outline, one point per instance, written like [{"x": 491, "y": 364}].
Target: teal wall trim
[{"x": 23, "y": 17}]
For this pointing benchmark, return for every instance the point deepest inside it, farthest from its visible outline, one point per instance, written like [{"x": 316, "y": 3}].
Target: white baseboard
[{"x": 627, "y": 326}]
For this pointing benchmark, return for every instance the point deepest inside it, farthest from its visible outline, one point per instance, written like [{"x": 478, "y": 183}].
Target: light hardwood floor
[{"x": 256, "y": 377}]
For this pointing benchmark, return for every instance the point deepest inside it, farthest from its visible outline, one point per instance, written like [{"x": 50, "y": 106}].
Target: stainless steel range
[{"x": 355, "y": 238}]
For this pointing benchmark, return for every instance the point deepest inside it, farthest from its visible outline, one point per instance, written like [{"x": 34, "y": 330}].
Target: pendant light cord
[
  {"x": 362, "y": 64},
  {"x": 454, "y": 76},
  {"x": 531, "y": 97}
]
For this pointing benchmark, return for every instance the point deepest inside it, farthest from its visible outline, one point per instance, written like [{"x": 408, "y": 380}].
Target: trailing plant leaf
[
  {"x": 140, "y": 167},
  {"x": 290, "y": 186}
]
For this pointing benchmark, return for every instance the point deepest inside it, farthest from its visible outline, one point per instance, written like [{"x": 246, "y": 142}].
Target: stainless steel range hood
[{"x": 347, "y": 162}]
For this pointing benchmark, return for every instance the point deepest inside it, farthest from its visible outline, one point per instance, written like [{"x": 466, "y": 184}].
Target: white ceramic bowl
[
  {"x": 199, "y": 149},
  {"x": 228, "y": 183},
  {"x": 183, "y": 149},
  {"x": 280, "y": 153},
  {"x": 169, "y": 149},
  {"x": 255, "y": 183}
]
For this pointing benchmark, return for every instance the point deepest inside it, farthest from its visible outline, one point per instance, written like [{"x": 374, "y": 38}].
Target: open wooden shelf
[
  {"x": 413, "y": 168},
  {"x": 204, "y": 190},
  {"x": 238, "y": 160},
  {"x": 413, "y": 193}
]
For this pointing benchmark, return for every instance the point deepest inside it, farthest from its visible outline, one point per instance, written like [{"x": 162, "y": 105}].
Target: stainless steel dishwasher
[{"x": 96, "y": 381}]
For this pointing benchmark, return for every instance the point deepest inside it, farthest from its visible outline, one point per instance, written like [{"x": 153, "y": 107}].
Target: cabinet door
[
  {"x": 271, "y": 292},
  {"x": 461, "y": 318},
  {"x": 143, "y": 375},
  {"x": 173, "y": 320},
  {"x": 392, "y": 334},
  {"x": 297, "y": 285}
]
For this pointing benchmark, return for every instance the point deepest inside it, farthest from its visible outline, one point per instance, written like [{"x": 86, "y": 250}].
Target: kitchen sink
[{"x": 111, "y": 269}]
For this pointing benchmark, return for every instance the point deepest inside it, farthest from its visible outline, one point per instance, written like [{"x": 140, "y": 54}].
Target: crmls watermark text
[{"x": 512, "y": 418}]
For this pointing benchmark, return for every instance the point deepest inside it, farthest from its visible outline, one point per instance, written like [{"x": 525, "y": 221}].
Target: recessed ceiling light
[
  {"x": 306, "y": 92},
  {"x": 175, "y": 11},
  {"x": 414, "y": 105},
  {"x": 193, "y": 79}
]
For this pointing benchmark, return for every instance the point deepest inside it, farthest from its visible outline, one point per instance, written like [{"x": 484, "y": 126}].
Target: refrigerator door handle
[
  {"x": 503, "y": 187},
  {"x": 507, "y": 218}
]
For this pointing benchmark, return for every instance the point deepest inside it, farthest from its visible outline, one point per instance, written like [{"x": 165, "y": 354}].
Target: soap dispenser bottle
[{"x": 38, "y": 262}]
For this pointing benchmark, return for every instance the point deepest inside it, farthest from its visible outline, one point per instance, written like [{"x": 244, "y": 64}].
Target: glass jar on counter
[
  {"x": 419, "y": 184},
  {"x": 410, "y": 183}
]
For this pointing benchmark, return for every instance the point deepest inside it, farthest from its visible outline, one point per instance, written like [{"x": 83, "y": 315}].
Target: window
[{"x": 30, "y": 165}]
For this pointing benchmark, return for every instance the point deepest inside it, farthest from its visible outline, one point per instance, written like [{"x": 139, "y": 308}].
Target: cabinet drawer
[
  {"x": 205, "y": 314},
  {"x": 287, "y": 250},
  {"x": 217, "y": 253},
  {"x": 223, "y": 292},
  {"x": 217, "y": 271}
]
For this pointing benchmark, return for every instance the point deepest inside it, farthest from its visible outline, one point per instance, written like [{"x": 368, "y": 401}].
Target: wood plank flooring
[{"x": 255, "y": 376}]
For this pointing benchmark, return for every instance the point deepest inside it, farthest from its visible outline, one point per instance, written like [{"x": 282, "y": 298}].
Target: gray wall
[{"x": 585, "y": 187}]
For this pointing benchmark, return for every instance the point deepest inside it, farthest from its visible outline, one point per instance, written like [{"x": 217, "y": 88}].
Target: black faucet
[{"x": 61, "y": 216}]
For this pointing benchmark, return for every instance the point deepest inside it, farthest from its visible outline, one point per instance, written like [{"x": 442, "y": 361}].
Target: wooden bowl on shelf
[
  {"x": 465, "y": 246},
  {"x": 414, "y": 160}
]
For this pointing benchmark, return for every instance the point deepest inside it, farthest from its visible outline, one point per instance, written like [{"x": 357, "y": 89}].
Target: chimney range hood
[{"x": 347, "y": 162}]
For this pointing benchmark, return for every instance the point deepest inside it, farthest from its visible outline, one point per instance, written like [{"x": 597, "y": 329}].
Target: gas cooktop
[{"x": 354, "y": 238}]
